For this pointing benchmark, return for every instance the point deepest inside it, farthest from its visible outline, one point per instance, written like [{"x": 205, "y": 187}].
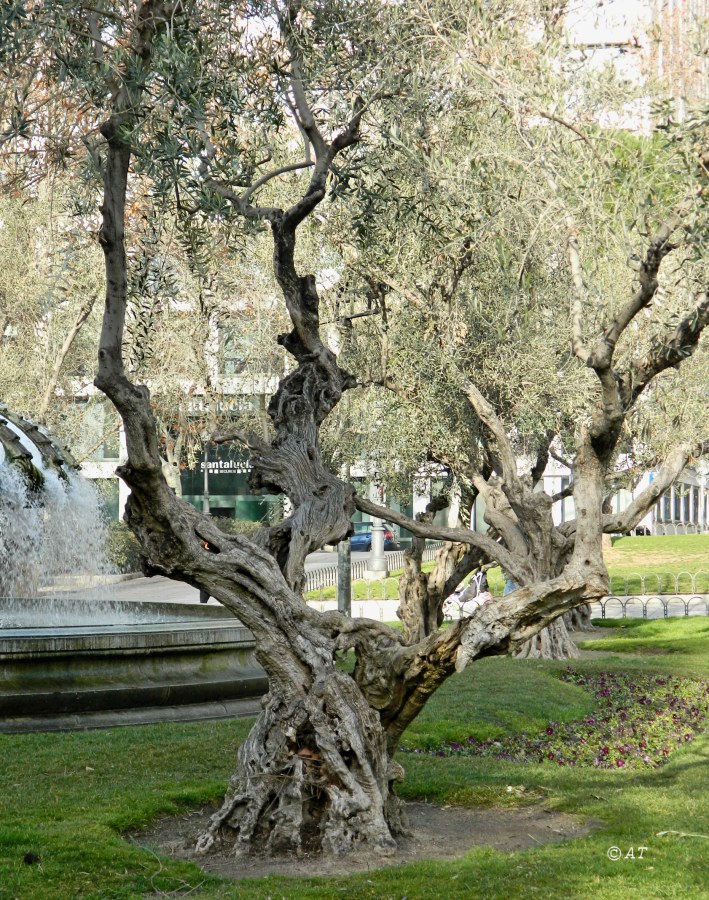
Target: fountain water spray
[
  {"x": 84, "y": 661},
  {"x": 51, "y": 522}
]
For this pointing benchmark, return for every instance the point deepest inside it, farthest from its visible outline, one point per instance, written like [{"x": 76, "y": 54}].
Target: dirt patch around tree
[{"x": 438, "y": 833}]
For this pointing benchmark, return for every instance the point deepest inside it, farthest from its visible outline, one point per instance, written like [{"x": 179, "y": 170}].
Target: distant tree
[
  {"x": 50, "y": 279},
  {"x": 484, "y": 220},
  {"x": 201, "y": 326}
]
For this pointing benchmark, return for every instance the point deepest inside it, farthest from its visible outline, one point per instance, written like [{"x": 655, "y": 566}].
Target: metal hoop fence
[{"x": 650, "y": 607}]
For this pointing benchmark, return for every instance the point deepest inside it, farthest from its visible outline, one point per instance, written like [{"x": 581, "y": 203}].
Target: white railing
[
  {"x": 326, "y": 577},
  {"x": 655, "y": 595}
]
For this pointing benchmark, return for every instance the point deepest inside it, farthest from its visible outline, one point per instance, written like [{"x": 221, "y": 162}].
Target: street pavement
[
  {"x": 159, "y": 589},
  {"x": 322, "y": 559},
  {"x": 164, "y": 590}
]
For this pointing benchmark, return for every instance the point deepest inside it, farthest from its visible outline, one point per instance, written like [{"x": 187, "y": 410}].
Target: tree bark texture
[
  {"x": 552, "y": 642},
  {"x": 313, "y": 775},
  {"x": 421, "y": 595},
  {"x": 579, "y": 619}
]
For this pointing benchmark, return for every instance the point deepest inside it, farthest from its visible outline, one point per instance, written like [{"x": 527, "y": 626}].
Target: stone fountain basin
[{"x": 122, "y": 662}]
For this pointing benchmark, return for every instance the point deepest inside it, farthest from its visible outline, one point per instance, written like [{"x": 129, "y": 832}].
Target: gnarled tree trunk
[
  {"x": 579, "y": 619},
  {"x": 552, "y": 642},
  {"x": 318, "y": 770},
  {"x": 313, "y": 775},
  {"x": 421, "y": 595}
]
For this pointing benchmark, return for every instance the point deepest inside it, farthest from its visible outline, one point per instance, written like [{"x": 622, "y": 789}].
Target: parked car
[{"x": 362, "y": 537}]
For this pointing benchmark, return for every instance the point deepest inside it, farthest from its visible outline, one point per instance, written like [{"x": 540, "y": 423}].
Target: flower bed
[{"x": 639, "y": 721}]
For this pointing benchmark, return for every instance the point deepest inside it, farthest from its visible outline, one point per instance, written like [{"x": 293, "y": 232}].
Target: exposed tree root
[
  {"x": 553, "y": 642},
  {"x": 313, "y": 776}
]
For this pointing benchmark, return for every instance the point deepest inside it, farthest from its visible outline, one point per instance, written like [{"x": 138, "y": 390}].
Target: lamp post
[
  {"x": 344, "y": 568},
  {"x": 344, "y": 577},
  {"x": 204, "y": 595},
  {"x": 377, "y": 567},
  {"x": 205, "y": 495}
]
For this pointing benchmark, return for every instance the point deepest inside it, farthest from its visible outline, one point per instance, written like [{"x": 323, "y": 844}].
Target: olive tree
[
  {"x": 487, "y": 226},
  {"x": 189, "y": 95}
]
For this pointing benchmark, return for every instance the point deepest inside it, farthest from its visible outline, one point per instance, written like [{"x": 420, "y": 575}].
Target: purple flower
[{"x": 631, "y": 718}]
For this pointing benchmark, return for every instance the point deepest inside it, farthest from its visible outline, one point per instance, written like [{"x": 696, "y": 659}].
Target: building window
[
  {"x": 568, "y": 512},
  {"x": 108, "y": 491},
  {"x": 99, "y": 437},
  {"x": 230, "y": 360}
]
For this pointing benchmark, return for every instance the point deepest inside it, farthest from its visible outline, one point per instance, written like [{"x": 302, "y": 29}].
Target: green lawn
[
  {"x": 384, "y": 589},
  {"x": 684, "y": 641},
  {"x": 388, "y": 588},
  {"x": 668, "y": 563},
  {"x": 658, "y": 558},
  {"x": 66, "y": 797}
]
